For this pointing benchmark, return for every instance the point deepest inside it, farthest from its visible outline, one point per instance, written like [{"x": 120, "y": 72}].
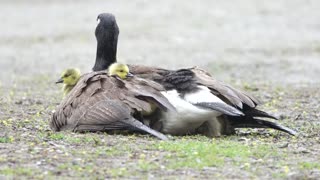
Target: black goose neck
[
  {"x": 106, "y": 55},
  {"x": 107, "y": 41}
]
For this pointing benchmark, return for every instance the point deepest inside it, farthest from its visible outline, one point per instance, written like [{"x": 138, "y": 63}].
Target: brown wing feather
[
  {"x": 222, "y": 90},
  {"x": 147, "y": 72},
  {"x": 150, "y": 91},
  {"x": 99, "y": 112},
  {"x": 236, "y": 97},
  {"x": 106, "y": 115},
  {"x": 83, "y": 107}
]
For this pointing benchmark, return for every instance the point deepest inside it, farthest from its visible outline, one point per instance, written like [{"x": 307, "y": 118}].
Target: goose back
[{"x": 187, "y": 80}]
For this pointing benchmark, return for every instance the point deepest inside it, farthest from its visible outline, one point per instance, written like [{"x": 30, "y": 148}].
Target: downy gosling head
[
  {"x": 120, "y": 70},
  {"x": 69, "y": 78}
]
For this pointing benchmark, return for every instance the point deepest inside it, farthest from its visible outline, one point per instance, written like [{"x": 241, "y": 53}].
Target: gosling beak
[
  {"x": 59, "y": 81},
  {"x": 129, "y": 75}
]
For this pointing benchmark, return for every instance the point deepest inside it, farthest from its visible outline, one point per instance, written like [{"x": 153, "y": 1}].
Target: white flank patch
[
  {"x": 187, "y": 117},
  {"x": 202, "y": 95}
]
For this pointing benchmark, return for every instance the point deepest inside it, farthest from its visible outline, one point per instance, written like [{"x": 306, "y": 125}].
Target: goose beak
[
  {"x": 129, "y": 75},
  {"x": 59, "y": 81}
]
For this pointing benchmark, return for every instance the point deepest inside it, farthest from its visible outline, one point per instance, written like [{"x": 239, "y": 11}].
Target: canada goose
[
  {"x": 99, "y": 102},
  {"x": 189, "y": 90},
  {"x": 69, "y": 78}
]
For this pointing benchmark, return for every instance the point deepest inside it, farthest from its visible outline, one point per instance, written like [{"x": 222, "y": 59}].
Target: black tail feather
[
  {"x": 221, "y": 107},
  {"x": 257, "y": 113},
  {"x": 259, "y": 123},
  {"x": 253, "y": 112}
]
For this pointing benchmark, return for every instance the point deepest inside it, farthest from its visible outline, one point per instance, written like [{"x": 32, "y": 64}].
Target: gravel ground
[{"x": 269, "y": 48}]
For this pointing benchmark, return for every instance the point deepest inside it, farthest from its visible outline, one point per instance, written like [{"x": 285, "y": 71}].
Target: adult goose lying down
[
  {"x": 204, "y": 105},
  {"x": 100, "y": 102}
]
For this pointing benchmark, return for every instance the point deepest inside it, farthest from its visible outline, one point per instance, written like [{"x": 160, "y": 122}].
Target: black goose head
[{"x": 107, "y": 32}]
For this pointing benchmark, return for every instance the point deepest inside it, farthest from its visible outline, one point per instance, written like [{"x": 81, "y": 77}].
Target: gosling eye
[{"x": 121, "y": 70}]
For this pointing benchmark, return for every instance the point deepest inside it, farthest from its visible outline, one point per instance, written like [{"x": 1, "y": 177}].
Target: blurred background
[{"x": 274, "y": 41}]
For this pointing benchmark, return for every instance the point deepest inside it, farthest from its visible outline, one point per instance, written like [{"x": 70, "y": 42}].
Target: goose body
[
  {"x": 100, "y": 102},
  {"x": 189, "y": 116},
  {"x": 203, "y": 104}
]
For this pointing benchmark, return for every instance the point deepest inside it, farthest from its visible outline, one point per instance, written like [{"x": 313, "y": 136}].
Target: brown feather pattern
[
  {"x": 186, "y": 80},
  {"x": 99, "y": 100},
  {"x": 199, "y": 77}
]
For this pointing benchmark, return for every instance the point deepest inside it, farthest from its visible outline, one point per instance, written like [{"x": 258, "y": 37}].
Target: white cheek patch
[{"x": 98, "y": 21}]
